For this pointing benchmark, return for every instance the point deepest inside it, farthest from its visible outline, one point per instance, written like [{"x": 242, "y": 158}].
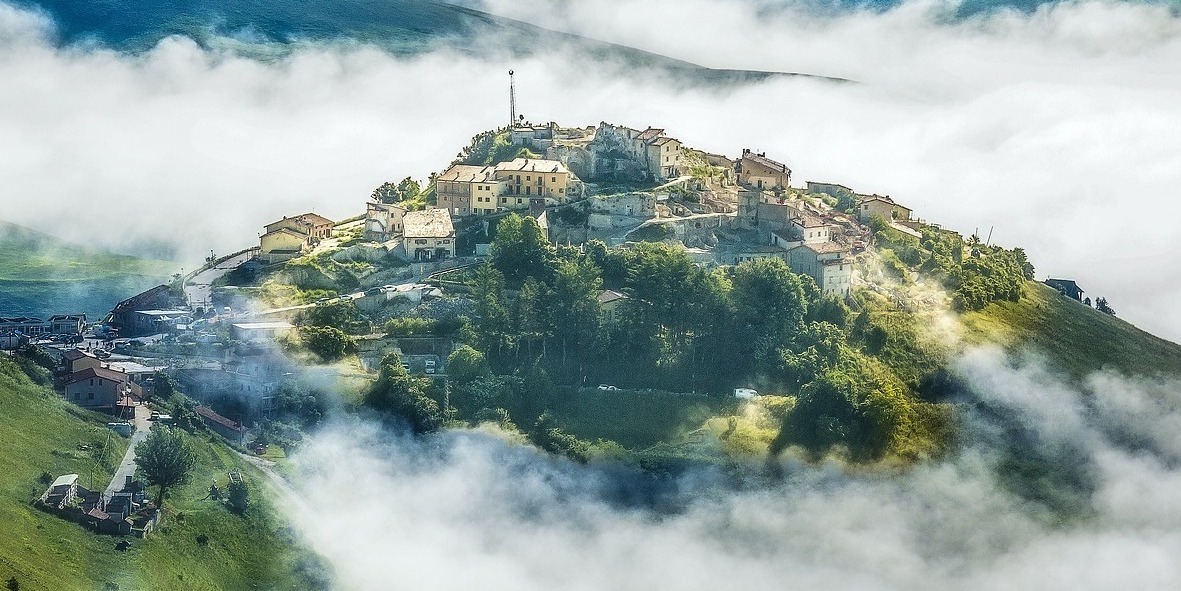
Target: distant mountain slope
[
  {"x": 42, "y": 275},
  {"x": 1075, "y": 338},
  {"x": 28, "y": 255},
  {"x": 406, "y": 27}
]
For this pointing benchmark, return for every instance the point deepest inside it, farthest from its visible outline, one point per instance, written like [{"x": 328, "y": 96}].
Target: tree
[
  {"x": 465, "y": 365},
  {"x": 336, "y": 314},
  {"x": 490, "y": 327},
  {"x": 403, "y": 396},
  {"x": 770, "y": 305},
  {"x": 297, "y": 402},
  {"x": 166, "y": 459},
  {"x": 405, "y": 190},
  {"x": 162, "y": 385},
  {"x": 327, "y": 342},
  {"x": 1102, "y": 306},
  {"x": 860, "y": 405},
  {"x": 575, "y": 308},
  {"x": 239, "y": 496},
  {"x": 548, "y": 436},
  {"x": 521, "y": 250}
]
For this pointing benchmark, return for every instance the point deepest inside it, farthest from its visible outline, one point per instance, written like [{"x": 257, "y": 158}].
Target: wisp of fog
[{"x": 469, "y": 509}]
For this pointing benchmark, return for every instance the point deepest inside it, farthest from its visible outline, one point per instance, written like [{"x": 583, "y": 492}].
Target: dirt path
[{"x": 127, "y": 466}]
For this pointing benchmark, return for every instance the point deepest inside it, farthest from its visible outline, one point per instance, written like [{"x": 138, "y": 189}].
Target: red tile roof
[
  {"x": 98, "y": 372},
  {"x": 207, "y": 413},
  {"x": 76, "y": 354}
]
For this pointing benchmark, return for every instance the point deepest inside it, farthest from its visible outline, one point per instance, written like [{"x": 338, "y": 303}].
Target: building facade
[
  {"x": 757, "y": 171},
  {"x": 428, "y": 235}
]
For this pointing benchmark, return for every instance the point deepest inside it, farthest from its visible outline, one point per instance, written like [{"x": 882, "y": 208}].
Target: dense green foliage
[
  {"x": 405, "y": 190},
  {"x": 685, "y": 328},
  {"x": 328, "y": 343},
  {"x": 404, "y": 397},
  {"x": 974, "y": 273},
  {"x": 492, "y": 147},
  {"x": 238, "y": 497}
]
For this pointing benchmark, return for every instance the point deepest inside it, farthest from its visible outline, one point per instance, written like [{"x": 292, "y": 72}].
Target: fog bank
[{"x": 468, "y": 510}]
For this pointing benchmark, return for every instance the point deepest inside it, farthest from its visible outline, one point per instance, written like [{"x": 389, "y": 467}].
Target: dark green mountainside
[{"x": 403, "y": 27}]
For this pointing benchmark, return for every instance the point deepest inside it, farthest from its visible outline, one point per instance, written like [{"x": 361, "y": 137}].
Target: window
[
  {"x": 90, "y": 396},
  {"x": 420, "y": 241},
  {"x": 528, "y": 191},
  {"x": 528, "y": 178},
  {"x": 77, "y": 395},
  {"x": 561, "y": 190},
  {"x": 447, "y": 241},
  {"x": 91, "y": 381},
  {"x": 553, "y": 179}
]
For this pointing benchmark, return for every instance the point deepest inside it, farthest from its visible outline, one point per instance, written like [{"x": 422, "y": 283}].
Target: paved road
[
  {"x": 199, "y": 287},
  {"x": 127, "y": 466}
]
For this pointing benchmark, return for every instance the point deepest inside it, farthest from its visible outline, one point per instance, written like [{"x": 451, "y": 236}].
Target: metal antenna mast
[{"x": 512, "y": 101}]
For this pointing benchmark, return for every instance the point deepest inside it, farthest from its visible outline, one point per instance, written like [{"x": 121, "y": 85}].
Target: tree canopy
[
  {"x": 404, "y": 397},
  {"x": 166, "y": 459}
]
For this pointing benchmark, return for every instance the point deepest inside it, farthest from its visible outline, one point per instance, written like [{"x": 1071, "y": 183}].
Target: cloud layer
[
  {"x": 1059, "y": 130},
  {"x": 468, "y": 510}
]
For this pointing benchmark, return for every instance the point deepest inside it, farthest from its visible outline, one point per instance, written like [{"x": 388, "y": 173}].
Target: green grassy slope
[
  {"x": 41, "y": 275},
  {"x": 39, "y": 432},
  {"x": 1075, "y": 338},
  {"x": 27, "y": 255}
]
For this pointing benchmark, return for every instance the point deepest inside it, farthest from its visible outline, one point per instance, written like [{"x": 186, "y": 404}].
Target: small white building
[{"x": 260, "y": 331}]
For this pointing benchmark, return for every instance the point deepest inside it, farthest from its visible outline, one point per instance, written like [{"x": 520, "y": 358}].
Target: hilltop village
[
  {"x": 620, "y": 185},
  {"x": 541, "y": 261}
]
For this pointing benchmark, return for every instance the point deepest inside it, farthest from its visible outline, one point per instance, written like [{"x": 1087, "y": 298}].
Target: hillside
[
  {"x": 405, "y": 27},
  {"x": 1075, "y": 338},
  {"x": 42, "y": 275},
  {"x": 40, "y": 433}
]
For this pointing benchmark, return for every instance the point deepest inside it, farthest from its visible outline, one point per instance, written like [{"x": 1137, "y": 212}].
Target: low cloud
[
  {"x": 468, "y": 509},
  {"x": 1053, "y": 130}
]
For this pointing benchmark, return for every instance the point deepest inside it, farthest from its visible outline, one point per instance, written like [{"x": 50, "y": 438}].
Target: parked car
[
  {"x": 372, "y": 291},
  {"x": 102, "y": 354},
  {"x": 607, "y": 387},
  {"x": 430, "y": 366}
]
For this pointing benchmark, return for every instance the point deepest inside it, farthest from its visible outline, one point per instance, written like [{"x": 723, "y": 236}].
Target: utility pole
[{"x": 512, "y": 101}]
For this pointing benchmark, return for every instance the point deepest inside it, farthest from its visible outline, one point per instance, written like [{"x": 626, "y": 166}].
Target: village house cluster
[
  {"x": 527, "y": 185},
  {"x": 286, "y": 238},
  {"x": 17, "y": 331},
  {"x": 814, "y": 239},
  {"x": 125, "y": 511}
]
